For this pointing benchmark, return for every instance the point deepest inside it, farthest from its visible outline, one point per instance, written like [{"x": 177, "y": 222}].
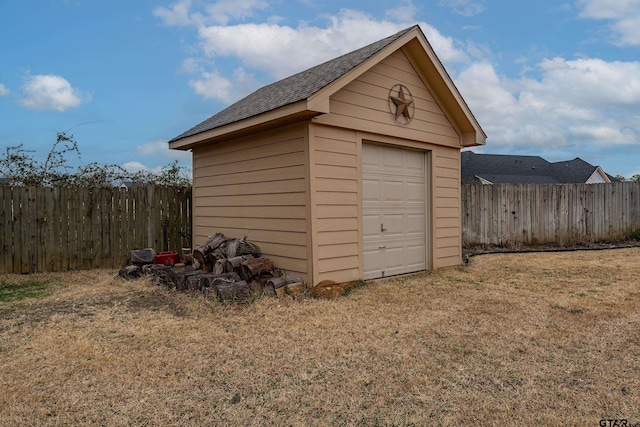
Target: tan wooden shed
[{"x": 349, "y": 170}]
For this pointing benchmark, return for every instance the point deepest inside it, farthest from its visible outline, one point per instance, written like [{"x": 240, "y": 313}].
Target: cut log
[
  {"x": 252, "y": 267},
  {"x": 219, "y": 266},
  {"x": 277, "y": 282},
  {"x": 208, "y": 283},
  {"x": 237, "y": 247},
  {"x": 256, "y": 286},
  {"x": 180, "y": 277},
  {"x": 212, "y": 243},
  {"x": 233, "y": 291},
  {"x": 158, "y": 273},
  {"x": 130, "y": 272},
  {"x": 295, "y": 289},
  {"x": 235, "y": 263}
]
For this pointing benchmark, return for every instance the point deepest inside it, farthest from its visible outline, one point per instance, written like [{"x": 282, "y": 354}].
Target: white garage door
[{"x": 393, "y": 210}]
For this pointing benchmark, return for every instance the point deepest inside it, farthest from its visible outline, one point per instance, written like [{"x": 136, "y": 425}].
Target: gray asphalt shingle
[{"x": 511, "y": 169}]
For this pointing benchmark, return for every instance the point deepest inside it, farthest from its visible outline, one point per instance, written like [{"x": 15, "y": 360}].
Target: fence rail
[
  {"x": 518, "y": 214},
  {"x": 71, "y": 228}
]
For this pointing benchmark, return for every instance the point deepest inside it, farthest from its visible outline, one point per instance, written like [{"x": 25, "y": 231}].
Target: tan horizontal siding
[
  {"x": 272, "y": 187},
  {"x": 335, "y": 146},
  {"x": 337, "y": 211},
  {"x": 254, "y": 176},
  {"x": 334, "y": 198},
  {"x": 335, "y": 175},
  {"x": 337, "y": 237},
  {"x": 334, "y": 172},
  {"x": 262, "y": 152},
  {"x": 337, "y": 224},
  {"x": 256, "y": 186},
  {"x": 339, "y": 250},
  {"x": 295, "y": 212},
  {"x": 263, "y": 201},
  {"x": 335, "y": 264},
  {"x": 267, "y": 224},
  {"x": 258, "y": 236},
  {"x": 337, "y": 185},
  {"x": 379, "y": 112},
  {"x": 445, "y": 232},
  {"x": 446, "y": 201},
  {"x": 271, "y": 163},
  {"x": 392, "y": 129}
]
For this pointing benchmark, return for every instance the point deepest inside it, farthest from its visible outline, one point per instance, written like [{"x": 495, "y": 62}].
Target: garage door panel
[
  {"x": 393, "y": 194},
  {"x": 391, "y": 158},
  {"x": 394, "y": 257},
  {"x": 415, "y": 255},
  {"x": 392, "y": 191},
  {"x": 370, "y": 190},
  {"x": 414, "y": 192},
  {"x": 393, "y": 224},
  {"x": 415, "y": 163},
  {"x": 415, "y": 224},
  {"x": 371, "y": 226}
]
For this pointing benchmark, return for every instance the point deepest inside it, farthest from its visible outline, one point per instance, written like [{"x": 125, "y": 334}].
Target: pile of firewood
[{"x": 229, "y": 269}]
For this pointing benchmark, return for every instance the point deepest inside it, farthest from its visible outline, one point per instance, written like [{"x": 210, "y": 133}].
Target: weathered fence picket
[
  {"x": 508, "y": 215},
  {"x": 70, "y": 228}
]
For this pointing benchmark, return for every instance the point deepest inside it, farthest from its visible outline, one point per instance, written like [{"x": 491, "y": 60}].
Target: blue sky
[{"x": 550, "y": 78}]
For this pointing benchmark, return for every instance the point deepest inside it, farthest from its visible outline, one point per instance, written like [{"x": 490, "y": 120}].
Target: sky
[{"x": 553, "y": 78}]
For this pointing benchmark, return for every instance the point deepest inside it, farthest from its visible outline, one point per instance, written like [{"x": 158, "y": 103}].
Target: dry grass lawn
[{"x": 522, "y": 339}]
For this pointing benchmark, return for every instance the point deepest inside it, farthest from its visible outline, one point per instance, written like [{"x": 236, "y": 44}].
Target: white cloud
[
  {"x": 623, "y": 14},
  {"x": 177, "y": 15},
  {"x": 213, "y": 85},
  {"x": 4, "y": 90},
  {"x": 161, "y": 148},
  {"x": 50, "y": 92},
  {"x": 135, "y": 167},
  {"x": 571, "y": 102},
  {"x": 294, "y": 49},
  {"x": 224, "y": 11},
  {"x": 221, "y": 12},
  {"x": 464, "y": 7},
  {"x": 405, "y": 12},
  {"x": 605, "y": 134}
]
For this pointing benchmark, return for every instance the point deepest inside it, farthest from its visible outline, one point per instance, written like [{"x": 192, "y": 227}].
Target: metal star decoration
[{"x": 403, "y": 103}]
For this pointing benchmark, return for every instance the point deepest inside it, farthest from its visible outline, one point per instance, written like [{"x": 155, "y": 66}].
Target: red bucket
[{"x": 168, "y": 258}]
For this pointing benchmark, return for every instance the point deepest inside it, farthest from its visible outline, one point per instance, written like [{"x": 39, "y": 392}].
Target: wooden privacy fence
[
  {"x": 71, "y": 228},
  {"x": 520, "y": 214}
]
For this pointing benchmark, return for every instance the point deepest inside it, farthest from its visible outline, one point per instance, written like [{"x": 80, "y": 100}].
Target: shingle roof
[
  {"x": 576, "y": 170},
  {"x": 508, "y": 169},
  {"x": 291, "y": 89}
]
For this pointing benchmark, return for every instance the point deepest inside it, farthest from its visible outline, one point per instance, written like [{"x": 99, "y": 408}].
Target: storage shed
[{"x": 349, "y": 170}]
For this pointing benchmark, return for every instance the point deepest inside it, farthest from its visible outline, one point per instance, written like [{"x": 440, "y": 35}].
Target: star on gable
[{"x": 401, "y": 104}]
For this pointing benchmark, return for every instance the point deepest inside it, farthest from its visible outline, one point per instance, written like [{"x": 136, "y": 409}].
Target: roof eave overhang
[{"x": 292, "y": 113}]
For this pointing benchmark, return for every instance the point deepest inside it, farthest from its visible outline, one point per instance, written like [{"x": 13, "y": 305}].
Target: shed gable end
[{"x": 364, "y": 104}]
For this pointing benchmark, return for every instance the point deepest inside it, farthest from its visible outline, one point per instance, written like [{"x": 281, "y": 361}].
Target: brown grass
[{"x": 551, "y": 339}]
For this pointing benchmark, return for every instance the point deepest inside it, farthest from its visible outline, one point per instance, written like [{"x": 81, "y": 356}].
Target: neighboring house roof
[
  {"x": 508, "y": 169},
  {"x": 306, "y": 94}
]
